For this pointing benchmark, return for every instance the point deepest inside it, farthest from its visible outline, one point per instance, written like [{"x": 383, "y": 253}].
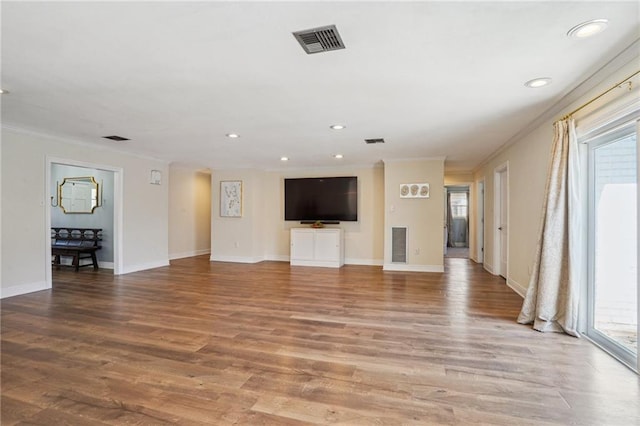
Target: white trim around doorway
[
  {"x": 480, "y": 231},
  {"x": 497, "y": 204},
  {"x": 118, "y": 212}
]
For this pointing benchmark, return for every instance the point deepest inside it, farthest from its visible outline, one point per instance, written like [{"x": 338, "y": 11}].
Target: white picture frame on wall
[
  {"x": 156, "y": 177},
  {"x": 231, "y": 198}
]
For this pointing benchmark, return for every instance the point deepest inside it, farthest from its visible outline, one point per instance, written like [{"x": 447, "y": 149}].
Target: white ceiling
[{"x": 435, "y": 79}]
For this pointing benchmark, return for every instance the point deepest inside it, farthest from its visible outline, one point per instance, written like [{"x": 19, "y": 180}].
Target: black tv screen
[{"x": 327, "y": 199}]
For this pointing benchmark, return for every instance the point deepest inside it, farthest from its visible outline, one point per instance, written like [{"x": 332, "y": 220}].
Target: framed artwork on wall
[
  {"x": 156, "y": 177},
  {"x": 231, "y": 198},
  {"x": 414, "y": 190}
]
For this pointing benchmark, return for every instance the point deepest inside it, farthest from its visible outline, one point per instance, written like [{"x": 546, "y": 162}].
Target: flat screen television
[{"x": 326, "y": 199}]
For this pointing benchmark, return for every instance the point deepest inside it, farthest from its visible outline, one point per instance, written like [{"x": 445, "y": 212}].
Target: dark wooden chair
[{"x": 78, "y": 243}]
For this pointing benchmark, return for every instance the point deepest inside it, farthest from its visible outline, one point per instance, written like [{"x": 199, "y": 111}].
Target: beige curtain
[{"x": 551, "y": 303}]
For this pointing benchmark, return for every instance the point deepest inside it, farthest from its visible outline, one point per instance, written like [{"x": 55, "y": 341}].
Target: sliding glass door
[{"x": 613, "y": 242}]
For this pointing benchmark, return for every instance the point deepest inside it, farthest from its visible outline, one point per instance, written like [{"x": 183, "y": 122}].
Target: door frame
[
  {"x": 500, "y": 172},
  {"x": 608, "y": 344},
  {"x": 118, "y": 212},
  {"x": 468, "y": 189},
  {"x": 471, "y": 214},
  {"x": 480, "y": 220}
]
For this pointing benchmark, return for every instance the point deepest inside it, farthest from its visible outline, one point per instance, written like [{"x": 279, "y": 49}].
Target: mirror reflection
[{"x": 78, "y": 194}]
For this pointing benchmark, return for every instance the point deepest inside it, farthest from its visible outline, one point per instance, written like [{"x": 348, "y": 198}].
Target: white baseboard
[
  {"x": 236, "y": 259},
  {"x": 366, "y": 262},
  {"x": 517, "y": 287},
  {"x": 17, "y": 290},
  {"x": 401, "y": 267},
  {"x": 144, "y": 266},
  {"x": 284, "y": 258},
  {"x": 347, "y": 261},
  {"x": 316, "y": 263},
  {"x": 488, "y": 268},
  {"x": 67, "y": 261},
  {"x": 277, "y": 258},
  {"x": 192, "y": 253},
  {"x": 105, "y": 265}
]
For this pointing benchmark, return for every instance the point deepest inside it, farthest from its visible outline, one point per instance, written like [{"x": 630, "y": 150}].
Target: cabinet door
[
  {"x": 327, "y": 246},
  {"x": 302, "y": 244}
]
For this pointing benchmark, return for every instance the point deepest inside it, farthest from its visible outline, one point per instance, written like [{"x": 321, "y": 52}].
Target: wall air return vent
[
  {"x": 116, "y": 138},
  {"x": 322, "y": 39},
  {"x": 399, "y": 247},
  {"x": 375, "y": 140}
]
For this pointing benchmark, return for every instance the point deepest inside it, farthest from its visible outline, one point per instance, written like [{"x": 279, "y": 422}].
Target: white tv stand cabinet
[{"x": 317, "y": 247}]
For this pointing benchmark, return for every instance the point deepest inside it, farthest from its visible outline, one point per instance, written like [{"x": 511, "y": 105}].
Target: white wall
[
  {"x": 102, "y": 217},
  {"x": 25, "y": 239},
  {"x": 262, "y": 233},
  {"x": 238, "y": 239},
  {"x": 424, "y": 218},
  {"x": 528, "y": 159},
  {"x": 189, "y": 212},
  {"x": 1, "y": 198}
]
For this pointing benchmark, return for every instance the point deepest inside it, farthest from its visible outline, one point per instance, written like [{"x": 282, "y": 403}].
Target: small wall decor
[
  {"x": 414, "y": 190},
  {"x": 78, "y": 195},
  {"x": 156, "y": 177},
  {"x": 231, "y": 198}
]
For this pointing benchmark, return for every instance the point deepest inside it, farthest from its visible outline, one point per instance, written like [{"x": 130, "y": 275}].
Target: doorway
[
  {"x": 108, "y": 217},
  {"x": 480, "y": 222},
  {"x": 613, "y": 286},
  {"x": 457, "y": 217},
  {"x": 501, "y": 221}
]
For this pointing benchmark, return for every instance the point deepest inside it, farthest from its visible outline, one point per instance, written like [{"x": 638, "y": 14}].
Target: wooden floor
[{"x": 212, "y": 343}]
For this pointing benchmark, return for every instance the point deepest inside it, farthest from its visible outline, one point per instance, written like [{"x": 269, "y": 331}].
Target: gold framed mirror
[{"x": 79, "y": 195}]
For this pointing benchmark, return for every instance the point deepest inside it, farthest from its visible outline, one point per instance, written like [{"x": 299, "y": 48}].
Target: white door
[
  {"x": 501, "y": 220},
  {"x": 504, "y": 223}
]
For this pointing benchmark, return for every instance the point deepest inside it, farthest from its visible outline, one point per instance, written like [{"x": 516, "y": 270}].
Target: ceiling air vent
[
  {"x": 116, "y": 138},
  {"x": 322, "y": 39},
  {"x": 376, "y": 140}
]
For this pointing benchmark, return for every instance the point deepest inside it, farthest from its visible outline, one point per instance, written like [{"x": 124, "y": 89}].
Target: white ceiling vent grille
[{"x": 322, "y": 39}]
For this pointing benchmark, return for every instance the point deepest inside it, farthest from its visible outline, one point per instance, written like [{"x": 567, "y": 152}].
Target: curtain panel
[{"x": 551, "y": 302}]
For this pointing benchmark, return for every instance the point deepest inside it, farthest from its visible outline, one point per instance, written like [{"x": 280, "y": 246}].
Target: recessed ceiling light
[
  {"x": 338, "y": 156},
  {"x": 538, "y": 82},
  {"x": 3, "y": 92},
  {"x": 589, "y": 28},
  {"x": 284, "y": 158},
  {"x": 233, "y": 135},
  {"x": 338, "y": 126}
]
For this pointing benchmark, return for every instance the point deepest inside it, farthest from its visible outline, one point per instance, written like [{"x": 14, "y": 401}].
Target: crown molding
[
  {"x": 78, "y": 142},
  {"x": 347, "y": 168},
  {"x": 628, "y": 56},
  {"x": 409, "y": 160}
]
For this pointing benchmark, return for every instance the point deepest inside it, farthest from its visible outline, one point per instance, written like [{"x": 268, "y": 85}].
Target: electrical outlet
[
  {"x": 237, "y": 244},
  {"x": 416, "y": 251}
]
